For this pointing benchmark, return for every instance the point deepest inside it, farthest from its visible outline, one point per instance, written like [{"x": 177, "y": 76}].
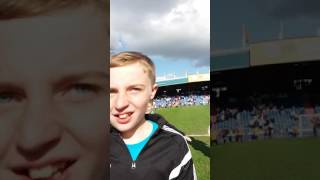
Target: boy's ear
[{"x": 154, "y": 91}]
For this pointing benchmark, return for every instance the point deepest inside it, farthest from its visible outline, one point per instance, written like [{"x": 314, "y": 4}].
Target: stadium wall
[{"x": 183, "y": 80}]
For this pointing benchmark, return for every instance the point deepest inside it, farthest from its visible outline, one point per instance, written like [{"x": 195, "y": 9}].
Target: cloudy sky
[
  {"x": 174, "y": 33},
  {"x": 262, "y": 19}
]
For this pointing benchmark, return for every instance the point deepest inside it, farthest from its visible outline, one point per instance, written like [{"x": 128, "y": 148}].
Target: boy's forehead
[
  {"x": 66, "y": 41},
  {"x": 132, "y": 68},
  {"x": 64, "y": 22},
  {"x": 131, "y": 72}
]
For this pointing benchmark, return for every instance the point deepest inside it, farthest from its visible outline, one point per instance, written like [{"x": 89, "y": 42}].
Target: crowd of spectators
[
  {"x": 263, "y": 121},
  {"x": 181, "y": 100}
]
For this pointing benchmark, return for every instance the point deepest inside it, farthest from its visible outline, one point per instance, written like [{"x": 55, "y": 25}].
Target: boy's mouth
[
  {"x": 123, "y": 118},
  {"x": 55, "y": 171}
]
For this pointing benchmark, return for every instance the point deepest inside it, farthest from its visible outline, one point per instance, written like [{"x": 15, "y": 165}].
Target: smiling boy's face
[
  {"x": 131, "y": 90},
  {"x": 53, "y": 96}
]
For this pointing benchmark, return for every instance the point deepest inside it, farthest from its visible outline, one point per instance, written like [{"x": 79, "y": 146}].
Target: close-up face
[
  {"x": 131, "y": 90},
  {"x": 53, "y": 97}
]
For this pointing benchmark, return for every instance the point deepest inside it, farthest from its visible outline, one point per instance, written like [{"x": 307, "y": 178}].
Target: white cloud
[{"x": 176, "y": 29}]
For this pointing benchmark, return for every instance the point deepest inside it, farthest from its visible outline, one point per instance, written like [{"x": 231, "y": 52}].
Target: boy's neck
[{"x": 142, "y": 131}]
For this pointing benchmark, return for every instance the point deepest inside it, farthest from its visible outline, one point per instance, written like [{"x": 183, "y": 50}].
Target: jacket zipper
[{"x": 133, "y": 165}]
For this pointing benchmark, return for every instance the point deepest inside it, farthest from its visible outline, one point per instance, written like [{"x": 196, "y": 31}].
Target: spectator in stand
[
  {"x": 315, "y": 125},
  {"x": 177, "y": 101}
]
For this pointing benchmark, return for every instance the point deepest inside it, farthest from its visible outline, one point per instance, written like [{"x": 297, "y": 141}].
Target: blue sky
[
  {"x": 169, "y": 66},
  {"x": 175, "y": 34},
  {"x": 262, "y": 19}
]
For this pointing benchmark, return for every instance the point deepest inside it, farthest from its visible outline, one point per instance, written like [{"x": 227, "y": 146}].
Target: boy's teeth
[
  {"x": 57, "y": 175},
  {"x": 44, "y": 172},
  {"x": 122, "y": 116},
  {"x": 47, "y": 171}
]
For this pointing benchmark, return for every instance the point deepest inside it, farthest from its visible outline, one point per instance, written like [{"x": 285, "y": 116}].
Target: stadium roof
[
  {"x": 173, "y": 82},
  {"x": 230, "y": 59},
  {"x": 281, "y": 51},
  {"x": 184, "y": 80}
]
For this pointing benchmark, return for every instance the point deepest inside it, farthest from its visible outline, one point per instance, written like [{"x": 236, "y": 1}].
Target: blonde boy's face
[
  {"x": 131, "y": 90},
  {"x": 53, "y": 98}
]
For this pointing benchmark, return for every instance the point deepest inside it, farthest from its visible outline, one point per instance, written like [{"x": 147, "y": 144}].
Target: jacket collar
[{"x": 157, "y": 118}]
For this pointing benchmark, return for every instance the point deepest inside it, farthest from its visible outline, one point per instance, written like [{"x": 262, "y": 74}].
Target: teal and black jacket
[{"x": 165, "y": 157}]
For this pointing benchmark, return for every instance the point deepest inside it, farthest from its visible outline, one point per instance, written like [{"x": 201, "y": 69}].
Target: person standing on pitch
[{"x": 143, "y": 146}]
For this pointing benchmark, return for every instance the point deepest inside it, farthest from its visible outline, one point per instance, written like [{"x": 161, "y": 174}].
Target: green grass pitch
[
  {"x": 189, "y": 119},
  {"x": 277, "y": 159}
]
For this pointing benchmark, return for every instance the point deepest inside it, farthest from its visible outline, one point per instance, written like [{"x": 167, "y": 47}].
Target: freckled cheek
[
  {"x": 11, "y": 115},
  {"x": 142, "y": 103},
  {"x": 137, "y": 100},
  {"x": 112, "y": 101},
  {"x": 6, "y": 139},
  {"x": 9, "y": 125},
  {"x": 11, "y": 109},
  {"x": 88, "y": 110},
  {"x": 81, "y": 120}
]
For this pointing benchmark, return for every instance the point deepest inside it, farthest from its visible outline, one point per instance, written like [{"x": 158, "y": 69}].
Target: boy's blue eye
[
  {"x": 137, "y": 89},
  {"x": 83, "y": 89},
  {"x": 7, "y": 98},
  {"x": 81, "y": 92}
]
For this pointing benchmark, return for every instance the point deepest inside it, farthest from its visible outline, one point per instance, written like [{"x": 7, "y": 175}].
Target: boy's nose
[
  {"x": 38, "y": 133},
  {"x": 121, "y": 102}
]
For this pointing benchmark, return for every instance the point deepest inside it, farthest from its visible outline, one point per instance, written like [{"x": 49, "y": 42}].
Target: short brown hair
[
  {"x": 130, "y": 57},
  {"x": 13, "y": 9}
]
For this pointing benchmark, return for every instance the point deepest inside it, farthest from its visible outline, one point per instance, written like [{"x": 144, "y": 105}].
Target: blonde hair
[
  {"x": 13, "y": 9},
  {"x": 130, "y": 57}
]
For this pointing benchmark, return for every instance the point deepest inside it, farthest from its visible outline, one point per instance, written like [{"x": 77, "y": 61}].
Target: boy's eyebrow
[
  {"x": 136, "y": 85},
  {"x": 113, "y": 89},
  {"x": 80, "y": 76},
  {"x": 130, "y": 86},
  {"x": 11, "y": 86},
  {"x": 8, "y": 86}
]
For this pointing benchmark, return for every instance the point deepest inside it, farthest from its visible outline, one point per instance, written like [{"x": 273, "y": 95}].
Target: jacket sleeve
[{"x": 184, "y": 169}]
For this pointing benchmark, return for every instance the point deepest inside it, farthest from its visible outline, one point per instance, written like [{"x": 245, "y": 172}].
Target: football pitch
[
  {"x": 189, "y": 119},
  {"x": 277, "y": 159},
  {"x": 193, "y": 120}
]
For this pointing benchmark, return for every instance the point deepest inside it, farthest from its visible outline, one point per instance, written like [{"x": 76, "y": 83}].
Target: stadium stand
[
  {"x": 176, "y": 101},
  {"x": 277, "y": 97},
  {"x": 189, "y": 90}
]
